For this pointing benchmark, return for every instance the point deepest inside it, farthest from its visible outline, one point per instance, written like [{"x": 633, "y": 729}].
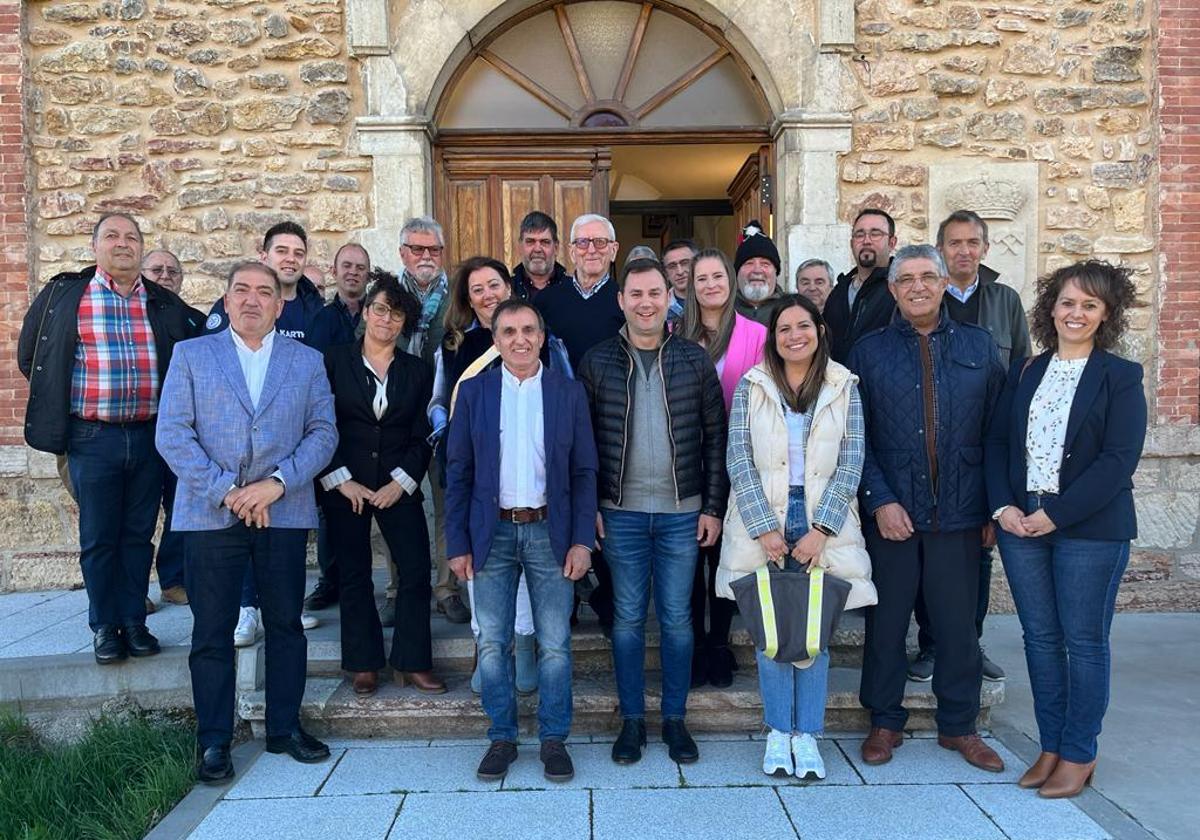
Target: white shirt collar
[
  {"x": 267, "y": 342},
  {"x": 510, "y": 379}
]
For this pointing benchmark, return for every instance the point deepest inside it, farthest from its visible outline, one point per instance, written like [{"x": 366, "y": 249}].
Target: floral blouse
[{"x": 1046, "y": 431}]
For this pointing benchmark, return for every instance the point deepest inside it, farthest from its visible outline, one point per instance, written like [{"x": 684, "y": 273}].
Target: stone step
[
  {"x": 74, "y": 681},
  {"x": 454, "y": 647},
  {"x": 331, "y": 708}
]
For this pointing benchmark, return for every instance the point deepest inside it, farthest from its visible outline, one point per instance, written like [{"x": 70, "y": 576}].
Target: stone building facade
[{"x": 1072, "y": 125}]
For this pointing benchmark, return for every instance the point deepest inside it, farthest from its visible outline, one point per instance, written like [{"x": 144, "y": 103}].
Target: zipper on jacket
[
  {"x": 662, "y": 374},
  {"x": 625, "y": 428}
]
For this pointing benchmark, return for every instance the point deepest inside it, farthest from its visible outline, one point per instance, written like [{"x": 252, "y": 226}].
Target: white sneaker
[
  {"x": 247, "y": 628},
  {"x": 777, "y": 761},
  {"x": 308, "y": 622},
  {"x": 807, "y": 756}
]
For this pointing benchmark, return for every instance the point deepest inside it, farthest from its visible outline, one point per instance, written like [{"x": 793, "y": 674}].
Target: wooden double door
[{"x": 481, "y": 194}]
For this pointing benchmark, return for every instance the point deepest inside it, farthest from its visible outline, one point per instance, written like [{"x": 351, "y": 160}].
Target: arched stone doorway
[{"x": 479, "y": 111}]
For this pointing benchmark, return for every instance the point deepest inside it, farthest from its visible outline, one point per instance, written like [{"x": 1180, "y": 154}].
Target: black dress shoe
[
  {"x": 140, "y": 641},
  {"x": 214, "y": 765},
  {"x": 324, "y": 594},
  {"x": 108, "y": 646},
  {"x": 628, "y": 746},
  {"x": 721, "y": 666},
  {"x": 299, "y": 745},
  {"x": 680, "y": 745}
]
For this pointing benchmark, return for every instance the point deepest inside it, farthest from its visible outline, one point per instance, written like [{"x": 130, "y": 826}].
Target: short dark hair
[
  {"x": 871, "y": 211},
  {"x": 338, "y": 253},
  {"x": 681, "y": 243},
  {"x": 536, "y": 222},
  {"x": 962, "y": 217},
  {"x": 641, "y": 266},
  {"x": 1113, "y": 284},
  {"x": 104, "y": 217},
  {"x": 281, "y": 228},
  {"x": 515, "y": 304},
  {"x": 383, "y": 283},
  {"x": 253, "y": 265}
]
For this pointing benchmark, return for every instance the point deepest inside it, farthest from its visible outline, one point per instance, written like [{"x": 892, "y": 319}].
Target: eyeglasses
[
  {"x": 679, "y": 265},
  {"x": 927, "y": 279},
  {"x": 423, "y": 250},
  {"x": 160, "y": 270},
  {"x": 382, "y": 310},
  {"x": 875, "y": 235},
  {"x": 584, "y": 243}
]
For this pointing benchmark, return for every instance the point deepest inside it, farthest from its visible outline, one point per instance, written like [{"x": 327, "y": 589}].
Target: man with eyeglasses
[
  {"x": 537, "y": 242},
  {"x": 585, "y": 311},
  {"x": 928, "y": 386},
  {"x": 677, "y": 259},
  {"x": 860, "y": 303}
]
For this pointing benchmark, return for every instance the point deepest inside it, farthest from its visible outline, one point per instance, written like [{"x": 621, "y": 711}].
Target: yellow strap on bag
[
  {"x": 816, "y": 592},
  {"x": 489, "y": 355},
  {"x": 767, "y": 603}
]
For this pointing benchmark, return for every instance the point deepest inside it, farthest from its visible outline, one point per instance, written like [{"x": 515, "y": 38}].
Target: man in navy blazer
[
  {"x": 521, "y": 498},
  {"x": 246, "y": 422}
]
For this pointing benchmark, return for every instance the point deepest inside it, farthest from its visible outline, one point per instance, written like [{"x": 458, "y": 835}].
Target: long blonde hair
[{"x": 691, "y": 326}]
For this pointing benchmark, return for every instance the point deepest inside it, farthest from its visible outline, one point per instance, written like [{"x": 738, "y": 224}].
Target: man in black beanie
[{"x": 757, "y": 268}]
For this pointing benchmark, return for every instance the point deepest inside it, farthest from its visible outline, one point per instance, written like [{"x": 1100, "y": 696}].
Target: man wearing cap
[{"x": 757, "y": 268}]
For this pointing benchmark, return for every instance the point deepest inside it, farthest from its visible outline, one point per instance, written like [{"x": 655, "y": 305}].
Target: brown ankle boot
[
  {"x": 877, "y": 749},
  {"x": 423, "y": 681},
  {"x": 365, "y": 683},
  {"x": 1039, "y": 771},
  {"x": 1068, "y": 779}
]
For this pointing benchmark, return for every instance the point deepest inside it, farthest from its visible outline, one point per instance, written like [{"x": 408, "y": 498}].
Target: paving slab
[
  {"x": 1023, "y": 815},
  {"x": 15, "y": 602},
  {"x": 595, "y": 769},
  {"x": 345, "y": 818},
  {"x": 703, "y": 812},
  {"x": 514, "y": 815},
  {"x": 920, "y": 761},
  {"x": 909, "y": 812},
  {"x": 279, "y": 776},
  {"x": 407, "y": 770},
  {"x": 739, "y": 763}
]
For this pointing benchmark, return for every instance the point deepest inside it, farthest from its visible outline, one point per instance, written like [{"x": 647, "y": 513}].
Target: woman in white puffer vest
[{"x": 795, "y": 458}]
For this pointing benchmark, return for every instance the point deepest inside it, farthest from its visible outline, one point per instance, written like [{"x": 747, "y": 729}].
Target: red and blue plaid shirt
[{"x": 115, "y": 378}]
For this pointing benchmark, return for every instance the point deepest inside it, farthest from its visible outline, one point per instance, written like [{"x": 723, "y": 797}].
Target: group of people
[{"x": 666, "y": 428}]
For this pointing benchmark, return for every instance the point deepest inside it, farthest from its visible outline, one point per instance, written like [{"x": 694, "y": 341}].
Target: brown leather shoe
[
  {"x": 175, "y": 595},
  {"x": 424, "y": 681},
  {"x": 974, "y": 750},
  {"x": 1039, "y": 771},
  {"x": 365, "y": 683},
  {"x": 877, "y": 749},
  {"x": 1068, "y": 779}
]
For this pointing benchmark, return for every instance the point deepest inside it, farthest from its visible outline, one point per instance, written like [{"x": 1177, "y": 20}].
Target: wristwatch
[
  {"x": 824, "y": 529},
  {"x": 996, "y": 514}
]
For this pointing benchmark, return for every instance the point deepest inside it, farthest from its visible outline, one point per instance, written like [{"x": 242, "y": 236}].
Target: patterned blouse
[{"x": 1046, "y": 431}]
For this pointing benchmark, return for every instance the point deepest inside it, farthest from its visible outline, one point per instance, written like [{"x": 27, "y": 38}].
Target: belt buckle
[{"x": 512, "y": 516}]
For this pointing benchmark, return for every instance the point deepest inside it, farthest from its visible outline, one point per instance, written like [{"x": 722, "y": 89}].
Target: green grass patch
[{"x": 115, "y": 783}]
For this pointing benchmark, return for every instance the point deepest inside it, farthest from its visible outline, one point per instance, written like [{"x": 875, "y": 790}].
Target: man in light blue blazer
[{"x": 246, "y": 422}]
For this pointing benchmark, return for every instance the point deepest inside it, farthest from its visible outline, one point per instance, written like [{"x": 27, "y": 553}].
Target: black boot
[
  {"x": 680, "y": 745},
  {"x": 721, "y": 666},
  {"x": 628, "y": 747}
]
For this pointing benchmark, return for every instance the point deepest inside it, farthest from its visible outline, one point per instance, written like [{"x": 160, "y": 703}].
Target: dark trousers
[
  {"x": 925, "y": 636},
  {"x": 704, "y": 594},
  {"x": 216, "y": 563},
  {"x": 601, "y": 599},
  {"x": 117, "y": 476},
  {"x": 326, "y": 556},
  {"x": 169, "y": 559},
  {"x": 946, "y": 565},
  {"x": 407, "y": 537}
]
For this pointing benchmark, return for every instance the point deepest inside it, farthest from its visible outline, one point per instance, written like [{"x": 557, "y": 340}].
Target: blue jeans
[
  {"x": 639, "y": 547},
  {"x": 117, "y": 476},
  {"x": 516, "y": 549},
  {"x": 794, "y": 698},
  {"x": 1065, "y": 590}
]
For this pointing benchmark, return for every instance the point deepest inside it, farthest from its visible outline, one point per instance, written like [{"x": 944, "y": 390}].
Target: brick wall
[
  {"x": 1179, "y": 313},
  {"x": 14, "y": 220}
]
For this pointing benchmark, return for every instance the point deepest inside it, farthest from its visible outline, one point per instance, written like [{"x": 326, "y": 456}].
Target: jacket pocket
[{"x": 971, "y": 486}]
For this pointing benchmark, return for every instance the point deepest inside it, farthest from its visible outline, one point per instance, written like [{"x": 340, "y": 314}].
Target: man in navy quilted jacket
[{"x": 928, "y": 386}]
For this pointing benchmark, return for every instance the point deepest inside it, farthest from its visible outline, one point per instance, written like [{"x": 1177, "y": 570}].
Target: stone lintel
[{"x": 836, "y": 25}]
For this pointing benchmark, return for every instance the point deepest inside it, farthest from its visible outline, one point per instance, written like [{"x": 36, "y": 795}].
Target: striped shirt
[{"x": 115, "y": 378}]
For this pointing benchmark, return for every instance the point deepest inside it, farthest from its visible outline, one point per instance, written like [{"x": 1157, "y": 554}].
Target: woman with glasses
[
  {"x": 1060, "y": 457},
  {"x": 379, "y": 396},
  {"x": 735, "y": 344},
  {"x": 479, "y": 285}
]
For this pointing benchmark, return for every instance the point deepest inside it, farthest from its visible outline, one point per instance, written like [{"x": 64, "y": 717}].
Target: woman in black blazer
[
  {"x": 1066, "y": 438},
  {"x": 380, "y": 394}
]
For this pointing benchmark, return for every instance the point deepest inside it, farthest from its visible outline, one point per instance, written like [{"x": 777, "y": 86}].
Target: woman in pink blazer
[{"x": 735, "y": 344}]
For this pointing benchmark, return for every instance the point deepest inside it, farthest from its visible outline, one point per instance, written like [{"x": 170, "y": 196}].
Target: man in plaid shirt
[{"x": 95, "y": 346}]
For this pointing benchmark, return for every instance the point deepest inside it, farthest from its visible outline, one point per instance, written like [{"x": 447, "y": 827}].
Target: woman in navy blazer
[
  {"x": 1066, "y": 438},
  {"x": 380, "y": 395}
]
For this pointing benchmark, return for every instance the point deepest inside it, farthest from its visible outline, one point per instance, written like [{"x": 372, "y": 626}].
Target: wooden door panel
[
  {"x": 518, "y": 197},
  {"x": 467, "y": 228},
  {"x": 571, "y": 200},
  {"x": 746, "y": 194}
]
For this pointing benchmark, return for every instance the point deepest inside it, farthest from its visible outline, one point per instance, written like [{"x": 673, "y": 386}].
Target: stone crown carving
[{"x": 991, "y": 198}]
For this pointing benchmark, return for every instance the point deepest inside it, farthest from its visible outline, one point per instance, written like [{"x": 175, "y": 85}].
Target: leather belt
[{"x": 522, "y": 516}]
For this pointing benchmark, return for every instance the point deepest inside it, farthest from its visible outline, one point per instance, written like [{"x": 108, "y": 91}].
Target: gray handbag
[{"x": 792, "y": 612}]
